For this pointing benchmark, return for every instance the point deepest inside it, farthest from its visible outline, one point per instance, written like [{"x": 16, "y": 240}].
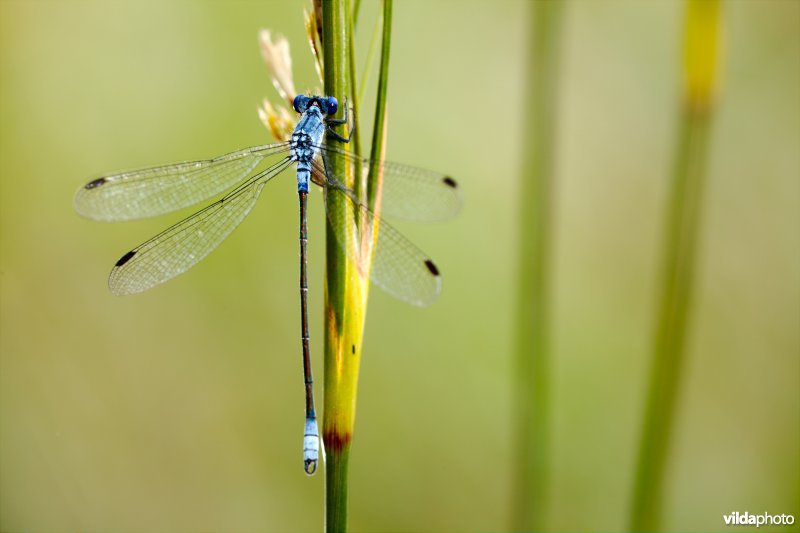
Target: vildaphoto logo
[{"x": 746, "y": 519}]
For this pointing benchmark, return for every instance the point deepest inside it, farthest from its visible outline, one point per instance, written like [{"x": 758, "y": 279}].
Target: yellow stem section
[{"x": 344, "y": 335}]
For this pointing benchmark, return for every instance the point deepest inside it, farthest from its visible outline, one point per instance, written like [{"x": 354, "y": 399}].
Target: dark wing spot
[
  {"x": 94, "y": 184},
  {"x": 431, "y": 267},
  {"x": 354, "y": 349},
  {"x": 450, "y": 182},
  {"x": 125, "y": 258}
]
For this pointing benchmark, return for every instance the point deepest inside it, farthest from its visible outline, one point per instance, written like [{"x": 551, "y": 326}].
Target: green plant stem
[
  {"x": 346, "y": 279},
  {"x": 533, "y": 305},
  {"x": 677, "y": 279},
  {"x": 336, "y": 435},
  {"x": 336, "y": 489}
]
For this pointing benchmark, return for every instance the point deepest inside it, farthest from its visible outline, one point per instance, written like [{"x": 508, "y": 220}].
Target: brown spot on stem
[{"x": 335, "y": 441}]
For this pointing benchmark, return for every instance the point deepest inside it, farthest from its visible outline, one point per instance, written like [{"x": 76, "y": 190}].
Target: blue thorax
[{"x": 305, "y": 143}]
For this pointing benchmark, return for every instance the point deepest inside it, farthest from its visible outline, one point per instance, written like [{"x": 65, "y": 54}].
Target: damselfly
[{"x": 398, "y": 266}]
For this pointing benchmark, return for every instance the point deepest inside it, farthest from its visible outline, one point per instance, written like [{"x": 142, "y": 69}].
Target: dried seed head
[
  {"x": 314, "y": 34},
  {"x": 279, "y": 63},
  {"x": 277, "y": 120}
]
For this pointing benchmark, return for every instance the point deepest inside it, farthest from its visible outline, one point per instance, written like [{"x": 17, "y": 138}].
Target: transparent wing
[
  {"x": 411, "y": 193},
  {"x": 174, "y": 251},
  {"x": 398, "y": 266},
  {"x": 154, "y": 191}
]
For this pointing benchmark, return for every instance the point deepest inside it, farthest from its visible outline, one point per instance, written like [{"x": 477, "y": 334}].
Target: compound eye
[
  {"x": 333, "y": 105},
  {"x": 299, "y": 103}
]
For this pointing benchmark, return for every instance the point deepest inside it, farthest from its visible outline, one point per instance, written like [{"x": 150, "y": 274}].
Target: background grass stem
[
  {"x": 534, "y": 274},
  {"x": 373, "y": 46},
  {"x": 379, "y": 129},
  {"x": 682, "y": 226},
  {"x": 351, "y": 82}
]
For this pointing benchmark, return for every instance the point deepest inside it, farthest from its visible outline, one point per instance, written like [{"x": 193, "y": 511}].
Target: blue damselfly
[{"x": 398, "y": 266}]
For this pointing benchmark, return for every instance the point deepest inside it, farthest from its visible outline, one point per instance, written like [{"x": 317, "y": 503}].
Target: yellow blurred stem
[
  {"x": 677, "y": 268},
  {"x": 701, "y": 50}
]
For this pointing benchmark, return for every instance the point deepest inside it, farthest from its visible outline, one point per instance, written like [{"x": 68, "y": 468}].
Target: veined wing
[
  {"x": 410, "y": 193},
  {"x": 398, "y": 266},
  {"x": 154, "y": 191},
  {"x": 175, "y": 250}
]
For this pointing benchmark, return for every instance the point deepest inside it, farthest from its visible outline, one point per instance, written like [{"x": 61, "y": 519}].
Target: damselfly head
[{"x": 327, "y": 104}]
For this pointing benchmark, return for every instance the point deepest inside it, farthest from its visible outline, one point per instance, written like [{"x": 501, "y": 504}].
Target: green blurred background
[{"x": 181, "y": 409}]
